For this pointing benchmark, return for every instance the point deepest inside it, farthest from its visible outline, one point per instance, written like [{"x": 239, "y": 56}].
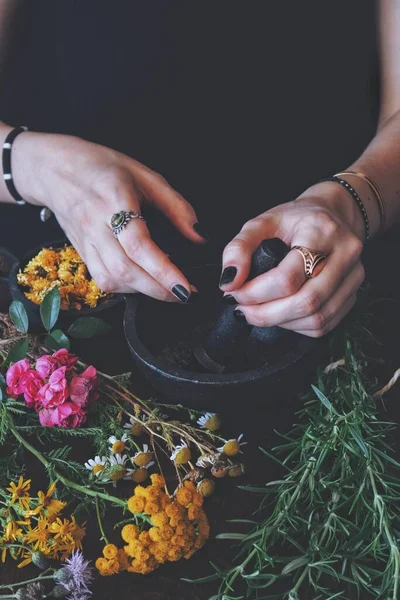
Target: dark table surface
[{"x": 165, "y": 583}]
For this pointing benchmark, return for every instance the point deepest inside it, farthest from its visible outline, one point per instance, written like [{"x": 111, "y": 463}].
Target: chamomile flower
[
  {"x": 143, "y": 457},
  {"x": 117, "y": 446},
  {"x": 210, "y": 421},
  {"x": 118, "y": 468},
  {"x": 206, "y": 460},
  {"x": 232, "y": 447},
  {"x": 97, "y": 464},
  {"x": 134, "y": 427},
  {"x": 181, "y": 455}
]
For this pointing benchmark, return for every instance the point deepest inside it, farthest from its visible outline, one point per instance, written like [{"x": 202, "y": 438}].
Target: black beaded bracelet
[
  {"x": 356, "y": 198},
  {"x": 7, "y": 175}
]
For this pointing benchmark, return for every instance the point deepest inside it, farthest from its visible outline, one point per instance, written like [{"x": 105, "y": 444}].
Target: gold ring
[{"x": 311, "y": 259}]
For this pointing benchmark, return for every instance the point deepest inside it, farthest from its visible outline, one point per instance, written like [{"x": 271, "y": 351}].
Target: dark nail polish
[
  {"x": 239, "y": 316},
  {"x": 229, "y": 299},
  {"x": 198, "y": 229},
  {"x": 228, "y": 275},
  {"x": 181, "y": 293}
]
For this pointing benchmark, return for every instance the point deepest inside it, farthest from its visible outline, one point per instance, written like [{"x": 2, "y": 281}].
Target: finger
[
  {"x": 287, "y": 278},
  {"x": 236, "y": 260},
  {"x": 158, "y": 191},
  {"x": 129, "y": 276},
  {"x": 284, "y": 280},
  {"x": 339, "y": 316},
  {"x": 309, "y": 299},
  {"x": 139, "y": 247},
  {"x": 99, "y": 271}
]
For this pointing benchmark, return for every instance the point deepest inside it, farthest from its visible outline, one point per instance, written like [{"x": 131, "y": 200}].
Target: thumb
[
  {"x": 163, "y": 196},
  {"x": 238, "y": 253}
]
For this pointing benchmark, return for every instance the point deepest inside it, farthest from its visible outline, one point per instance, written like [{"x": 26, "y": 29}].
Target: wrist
[
  {"x": 335, "y": 198},
  {"x": 26, "y": 167}
]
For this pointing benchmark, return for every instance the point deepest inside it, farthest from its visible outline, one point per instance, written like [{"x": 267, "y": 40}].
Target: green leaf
[
  {"x": 322, "y": 397},
  {"x": 57, "y": 340},
  {"x": 18, "y": 352},
  {"x": 50, "y": 308},
  {"x": 19, "y": 316},
  {"x": 87, "y": 327},
  {"x": 1, "y": 395},
  {"x": 2, "y": 381}
]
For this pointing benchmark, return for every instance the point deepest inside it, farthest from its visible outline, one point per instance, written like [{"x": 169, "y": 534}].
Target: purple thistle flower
[{"x": 75, "y": 576}]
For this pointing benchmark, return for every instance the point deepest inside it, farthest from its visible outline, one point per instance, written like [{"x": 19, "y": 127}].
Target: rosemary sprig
[{"x": 330, "y": 528}]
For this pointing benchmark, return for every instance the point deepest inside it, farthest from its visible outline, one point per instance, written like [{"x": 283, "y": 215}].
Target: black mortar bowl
[{"x": 150, "y": 325}]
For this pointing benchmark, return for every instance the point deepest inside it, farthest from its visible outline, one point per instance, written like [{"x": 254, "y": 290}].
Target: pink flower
[
  {"x": 64, "y": 359},
  {"x": 46, "y": 364},
  {"x": 13, "y": 377},
  {"x": 54, "y": 392},
  {"x": 30, "y": 384},
  {"x": 67, "y": 415},
  {"x": 83, "y": 387}
]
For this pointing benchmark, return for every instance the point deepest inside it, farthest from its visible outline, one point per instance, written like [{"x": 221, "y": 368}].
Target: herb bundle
[{"x": 330, "y": 528}]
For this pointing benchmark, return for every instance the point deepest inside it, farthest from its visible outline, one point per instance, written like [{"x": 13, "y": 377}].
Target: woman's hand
[
  {"x": 325, "y": 219},
  {"x": 84, "y": 184}
]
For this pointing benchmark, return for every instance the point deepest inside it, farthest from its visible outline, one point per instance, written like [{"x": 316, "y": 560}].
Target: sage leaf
[
  {"x": 50, "y": 308},
  {"x": 56, "y": 340},
  {"x": 18, "y": 352},
  {"x": 87, "y": 327},
  {"x": 19, "y": 316}
]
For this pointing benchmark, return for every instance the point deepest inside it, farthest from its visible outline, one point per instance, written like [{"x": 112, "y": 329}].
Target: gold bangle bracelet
[{"x": 374, "y": 188}]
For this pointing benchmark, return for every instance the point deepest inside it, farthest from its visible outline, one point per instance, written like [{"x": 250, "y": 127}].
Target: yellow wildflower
[
  {"x": 110, "y": 551},
  {"x": 136, "y": 504},
  {"x": 20, "y": 493},
  {"x": 184, "y": 496},
  {"x": 159, "y": 519},
  {"x": 48, "y": 503},
  {"x": 157, "y": 480},
  {"x": 130, "y": 532}
]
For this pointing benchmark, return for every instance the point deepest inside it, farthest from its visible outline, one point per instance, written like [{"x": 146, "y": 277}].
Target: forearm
[{"x": 381, "y": 162}]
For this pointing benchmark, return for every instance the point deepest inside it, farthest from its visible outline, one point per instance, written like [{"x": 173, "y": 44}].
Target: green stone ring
[{"x": 121, "y": 218}]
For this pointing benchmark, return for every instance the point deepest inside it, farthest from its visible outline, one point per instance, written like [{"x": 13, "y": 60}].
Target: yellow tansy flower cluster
[
  {"x": 113, "y": 561},
  {"x": 179, "y": 528},
  {"x": 62, "y": 268},
  {"x": 34, "y": 525}
]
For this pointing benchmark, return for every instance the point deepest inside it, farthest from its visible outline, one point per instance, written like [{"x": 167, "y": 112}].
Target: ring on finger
[
  {"x": 120, "y": 219},
  {"x": 311, "y": 259}
]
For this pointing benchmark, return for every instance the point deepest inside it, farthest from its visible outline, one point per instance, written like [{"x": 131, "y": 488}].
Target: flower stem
[
  {"x": 99, "y": 521},
  {"x": 21, "y": 583},
  {"x": 67, "y": 482}
]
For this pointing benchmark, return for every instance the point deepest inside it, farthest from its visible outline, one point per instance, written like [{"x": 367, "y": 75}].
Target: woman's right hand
[{"x": 84, "y": 184}]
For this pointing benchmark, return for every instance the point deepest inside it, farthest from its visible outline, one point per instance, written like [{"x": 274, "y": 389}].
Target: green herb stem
[{"x": 67, "y": 482}]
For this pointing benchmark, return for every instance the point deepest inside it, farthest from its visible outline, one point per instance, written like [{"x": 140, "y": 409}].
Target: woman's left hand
[{"x": 324, "y": 219}]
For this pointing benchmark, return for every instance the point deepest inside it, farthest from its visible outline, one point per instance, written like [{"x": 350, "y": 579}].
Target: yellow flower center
[
  {"x": 118, "y": 473},
  {"x": 97, "y": 469},
  {"x": 118, "y": 447},
  {"x": 231, "y": 448},
  {"x": 213, "y": 423},
  {"x": 139, "y": 475},
  {"x": 236, "y": 471},
  {"x": 183, "y": 456},
  {"x": 136, "y": 429},
  {"x": 206, "y": 487},
  {"x": 142, "y": 459}
]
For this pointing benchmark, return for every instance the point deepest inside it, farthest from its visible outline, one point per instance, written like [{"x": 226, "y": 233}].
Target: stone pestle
[{"x": 232, "y": 343}]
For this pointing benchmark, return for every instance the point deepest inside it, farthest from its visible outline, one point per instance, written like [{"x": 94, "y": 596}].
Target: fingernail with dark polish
[
  {"x": 181, "y": 293},
  {"x": 239, "y": 316},
  {"x": 198, "y": 229},
  {"x": 229, "y": 299},
  {"x": 228, "y": 275}
]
